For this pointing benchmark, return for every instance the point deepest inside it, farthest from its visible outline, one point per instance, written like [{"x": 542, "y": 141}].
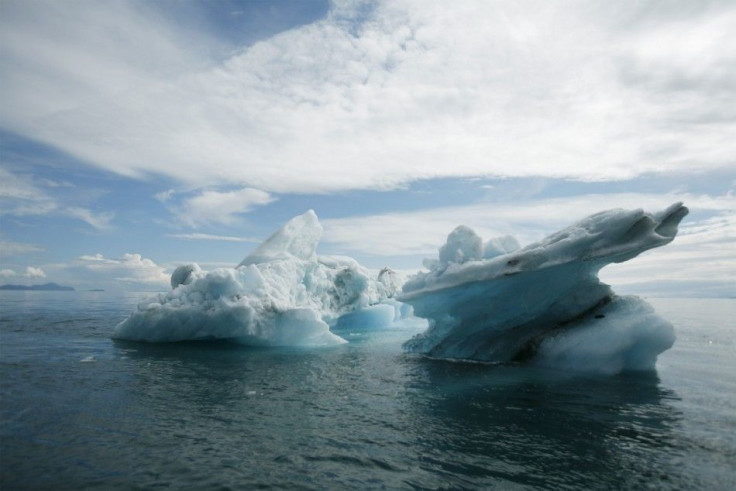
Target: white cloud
[
  {"x": 30, "y": 272},
  {"x": 21, "y": 196},
  {"x": 164, "y": 196},
  {"x": 130, "y": 268},
  {"x": 55, "y": 184},
  {"x": 97, "y": 258},
  {"x": 220, "y": 207},
  {"x": 21, "y": 189},
  {"x": 96, "y": 220},
  {"x": 10, "y": 248},
  {"x": 416, "y": 91},
  {"x": 422, "y": 232},
  {"x": 224, "y": 238}
]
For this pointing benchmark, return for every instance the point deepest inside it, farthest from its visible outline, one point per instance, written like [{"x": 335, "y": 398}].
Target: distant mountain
[{"x": 46, "y": 286}]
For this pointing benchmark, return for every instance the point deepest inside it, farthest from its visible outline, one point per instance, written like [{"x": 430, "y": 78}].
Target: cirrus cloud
[
  {"x": 214, "y": 207},
  {"x": 11, "y": 248},
  {"x": 21, "y": 195}
]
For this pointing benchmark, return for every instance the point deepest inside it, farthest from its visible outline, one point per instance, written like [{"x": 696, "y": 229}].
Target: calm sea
[{"x": 80, "y": 411}]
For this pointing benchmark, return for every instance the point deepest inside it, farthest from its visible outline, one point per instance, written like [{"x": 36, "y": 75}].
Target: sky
[{"x": 136, "y": 136}]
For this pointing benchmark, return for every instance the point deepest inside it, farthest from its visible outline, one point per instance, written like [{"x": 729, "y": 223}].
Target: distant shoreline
[{"x": 44, "y": 287}]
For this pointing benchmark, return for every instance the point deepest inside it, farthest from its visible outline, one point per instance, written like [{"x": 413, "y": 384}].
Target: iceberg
[
  {"x": 543, "y": 304},
  {"x": 282, "y": 294},
  {"x": 492, "y": 301}
]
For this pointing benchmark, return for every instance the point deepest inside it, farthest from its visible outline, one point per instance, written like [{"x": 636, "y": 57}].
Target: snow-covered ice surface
[
  {"x": 544, "y": 303},
  {"x": 282, "y": 294}
]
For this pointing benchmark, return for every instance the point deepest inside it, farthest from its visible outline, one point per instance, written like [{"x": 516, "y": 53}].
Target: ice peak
[
  {"x": 297, "y": 238},
  {"x": 463, "y": 245}
]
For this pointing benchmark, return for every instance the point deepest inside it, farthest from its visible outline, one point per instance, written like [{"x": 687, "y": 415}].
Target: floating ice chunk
[
  {"x": 280, "y": 295},
  {"x": 502, "y": 308}
]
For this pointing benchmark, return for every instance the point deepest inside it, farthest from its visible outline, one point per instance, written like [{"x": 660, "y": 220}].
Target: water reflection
[
  {"x": 406, "y": 420},
  {"x": 356, "y": 416},
  {"x": 543, "y": 428}
]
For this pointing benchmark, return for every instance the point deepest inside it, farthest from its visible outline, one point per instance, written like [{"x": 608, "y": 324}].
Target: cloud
[
  {"x": 225, "y": 238},
  {"x": 30, "y": 272},
  {"x": 55, "y": 184},
  {"x": 375, "y": 98},
  {"x": 20, "y": 195},
  {"x": 130, "y": 269},
  {"x": 22, "y": 192},
  {"x": 164, "y": 196},
  {"x": 219, "y": 207},
  {"x": 10, "y": 248},
  {"x": 130, "y": 272},
  {"x": 96, "y": 220}
]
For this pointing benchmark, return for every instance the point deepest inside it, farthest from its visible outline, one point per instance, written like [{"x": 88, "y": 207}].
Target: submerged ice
[
  {"x": 282, "y": 294},
  {"x": 544, "y": 303}
]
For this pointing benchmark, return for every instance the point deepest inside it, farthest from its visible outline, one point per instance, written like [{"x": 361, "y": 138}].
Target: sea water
[{"x": 80, "y": 411}]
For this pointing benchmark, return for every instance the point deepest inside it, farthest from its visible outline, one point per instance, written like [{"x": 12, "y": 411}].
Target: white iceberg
[
  {"x": 282, "y": 294},
  {"x": 543, "y": 303},
  {"x": 492, "y": 301}
]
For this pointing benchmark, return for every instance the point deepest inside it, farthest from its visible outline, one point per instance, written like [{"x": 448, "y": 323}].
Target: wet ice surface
[{"x": 357, "y": 415}]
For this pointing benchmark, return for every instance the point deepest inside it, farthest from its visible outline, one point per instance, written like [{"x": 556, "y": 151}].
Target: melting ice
[{"x": 492, "y": 301}]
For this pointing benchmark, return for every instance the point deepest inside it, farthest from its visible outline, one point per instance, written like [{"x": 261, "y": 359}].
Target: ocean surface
[{"x": 80, "y": 411}]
